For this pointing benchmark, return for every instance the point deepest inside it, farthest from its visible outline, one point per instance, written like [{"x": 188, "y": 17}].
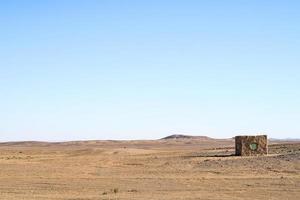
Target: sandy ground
[{"x": 162, "y": 169}]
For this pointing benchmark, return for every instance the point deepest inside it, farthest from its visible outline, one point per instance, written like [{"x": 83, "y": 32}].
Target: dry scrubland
[{"x": 199, "y": 168}]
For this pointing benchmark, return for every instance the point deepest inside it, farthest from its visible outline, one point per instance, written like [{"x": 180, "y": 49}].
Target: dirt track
[{"x": 163, "y": 169}]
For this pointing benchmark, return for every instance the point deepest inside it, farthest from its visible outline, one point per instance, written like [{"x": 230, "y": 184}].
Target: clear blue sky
[{"x": 146, "y": 69}]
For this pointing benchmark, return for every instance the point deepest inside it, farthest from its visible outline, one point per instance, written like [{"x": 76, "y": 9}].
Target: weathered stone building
[{"x": 251, "y": 145}]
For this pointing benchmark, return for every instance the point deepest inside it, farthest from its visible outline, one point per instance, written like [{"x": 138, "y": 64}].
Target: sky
[{"x": 113, "y": 69}]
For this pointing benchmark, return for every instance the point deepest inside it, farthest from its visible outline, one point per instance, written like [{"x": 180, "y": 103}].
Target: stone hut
[{"x": 251, "y": 145}]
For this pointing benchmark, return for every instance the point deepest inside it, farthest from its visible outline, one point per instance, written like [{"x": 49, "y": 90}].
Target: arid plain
[{"x": 184, "y": 168}]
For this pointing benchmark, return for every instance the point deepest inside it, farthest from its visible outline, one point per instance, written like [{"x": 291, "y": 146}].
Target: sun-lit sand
[{"x": 190, "y": 168}]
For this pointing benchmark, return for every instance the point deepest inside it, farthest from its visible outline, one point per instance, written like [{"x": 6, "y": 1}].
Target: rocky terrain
[{"x": 175, "y": 167}]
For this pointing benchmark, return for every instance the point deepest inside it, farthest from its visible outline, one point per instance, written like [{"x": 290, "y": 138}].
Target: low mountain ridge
[{"x": 181, "y": 136}]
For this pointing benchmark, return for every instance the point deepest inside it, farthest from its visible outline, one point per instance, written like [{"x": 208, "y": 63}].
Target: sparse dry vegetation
[{"x": 187, "y": 168}]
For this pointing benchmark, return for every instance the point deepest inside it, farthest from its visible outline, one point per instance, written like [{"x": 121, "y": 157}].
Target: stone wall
[{"x": 251, "y": 145}]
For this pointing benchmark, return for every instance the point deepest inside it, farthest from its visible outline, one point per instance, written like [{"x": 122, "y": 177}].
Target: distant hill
[
  {"x": 180, "y": 136},
  {"x": 285, "y": 139}
]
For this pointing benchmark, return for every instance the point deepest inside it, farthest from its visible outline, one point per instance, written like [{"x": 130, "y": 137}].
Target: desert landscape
[
  {"x": 149, "y": 100},
  {"x": 176, "y": 167}
]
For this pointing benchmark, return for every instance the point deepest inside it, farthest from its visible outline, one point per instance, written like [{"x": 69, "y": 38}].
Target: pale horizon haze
[{"x": 112, "y": 69}]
